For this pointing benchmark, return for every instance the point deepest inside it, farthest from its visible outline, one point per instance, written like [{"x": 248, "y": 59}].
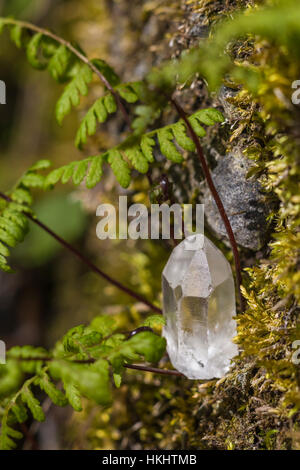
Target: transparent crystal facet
[{"x": 199, "y": 306}]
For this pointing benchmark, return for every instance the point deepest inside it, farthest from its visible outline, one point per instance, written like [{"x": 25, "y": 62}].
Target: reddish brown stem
[
  {"x": 216, "y": 197},
  {"x": 154, "y": 370},
  {"x": 86, "y": 261}
]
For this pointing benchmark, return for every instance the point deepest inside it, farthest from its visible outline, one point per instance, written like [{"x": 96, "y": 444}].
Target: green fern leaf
[
  {"x": 45, "y": 383},
  {"x": 80, "y": 172},
  {"x": 167, "y": 146},
  {"x": 12, "y": 229},
  {"x": 33, "y": 180},
  {"x": 49, "y": 47},
  {"x": 40, "y": 165},
  {"x": 8, "y": 437},
  {"x": 71, "y": 95},
  {"x": 107, "y": 71},
  {"x": 120, "y": 167},
  {"x": 14, "y": 434},
  {"x": 141, "y": 90},
  {"x": 147, "y": 144},
  {"x": 137, "y": 159},
  {"x": 138, "y": 150},
  {"x": 33, "y": 404},
  {"x": 6, "y": 443},
  {"x": 104, "y": 324},
  {"x": 20, "y": 412},
  {"x": 91, "y": 380},
  {"x": 7, "y": 238},
  {"x": 145, "y": 344},
  {"x": 59, "y": 63},
  {"x": 68, "y": 172},
  {"x": 97, "y": 113},
  {"x": 127, "y": 92},
  {"x": 95, "y": 172},
  {"x": 73, "y": 396},
  {"x": 110, "y": 103},
  {"x": 4, "y": 265},
  {"x": 53, "y": 177},
  {"x": 32, "y": 52},
  {"x": 27, "y": 352},
  {"x": 199, "y": 130},
  {"x": 22, "y": 195},
  {"x": 4, "y": 251},
  {"x": 19, "y": 208},
  {"x": 100, "y": 114},
  {"x": 117, "y": 380},
  {"x": 146, "y": 115},
  {"x": 17, "y": 217},
  {"x": 154, "y": 320},
  {"x": 95, "y": 382},
  {"x": 149, "y": 345},
  {"x": 16, "y": 33},
  {"x": 209, "y": 116},
  {"x": 180, "y": 133},
  {"x": 88, "y": 125}
]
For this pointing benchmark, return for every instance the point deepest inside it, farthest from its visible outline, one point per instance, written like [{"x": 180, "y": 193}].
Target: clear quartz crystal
[{"x": 199, "y": 306}]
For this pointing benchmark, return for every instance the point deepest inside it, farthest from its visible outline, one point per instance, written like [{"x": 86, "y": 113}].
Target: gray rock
[{"x": 243, "y": 200}]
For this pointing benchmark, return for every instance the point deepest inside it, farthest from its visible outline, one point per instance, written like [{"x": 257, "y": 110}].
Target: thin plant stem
[
  {"x": 82, "y": 57},
  {"x": 91, "y": 360},
  {"x": 154, "y": 370},
  {"x": 86, "y": 261},
  {"x": 216, "y": 197}
]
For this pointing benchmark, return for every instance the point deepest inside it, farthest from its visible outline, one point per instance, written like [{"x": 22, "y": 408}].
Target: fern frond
[
  {"x": 67, "y": 63},
  {"x": 138, "y": 150},
  {"x": 83, "y": 360},
  {"x": 14, "y": 410},
  {"x": 13, "y": 222},
  {"x": 44, "y": 50},
  {"x": 91, "y": 168}
]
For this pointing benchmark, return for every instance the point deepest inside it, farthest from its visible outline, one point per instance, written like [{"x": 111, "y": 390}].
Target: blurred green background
[{"x": 51, "y": 290}]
